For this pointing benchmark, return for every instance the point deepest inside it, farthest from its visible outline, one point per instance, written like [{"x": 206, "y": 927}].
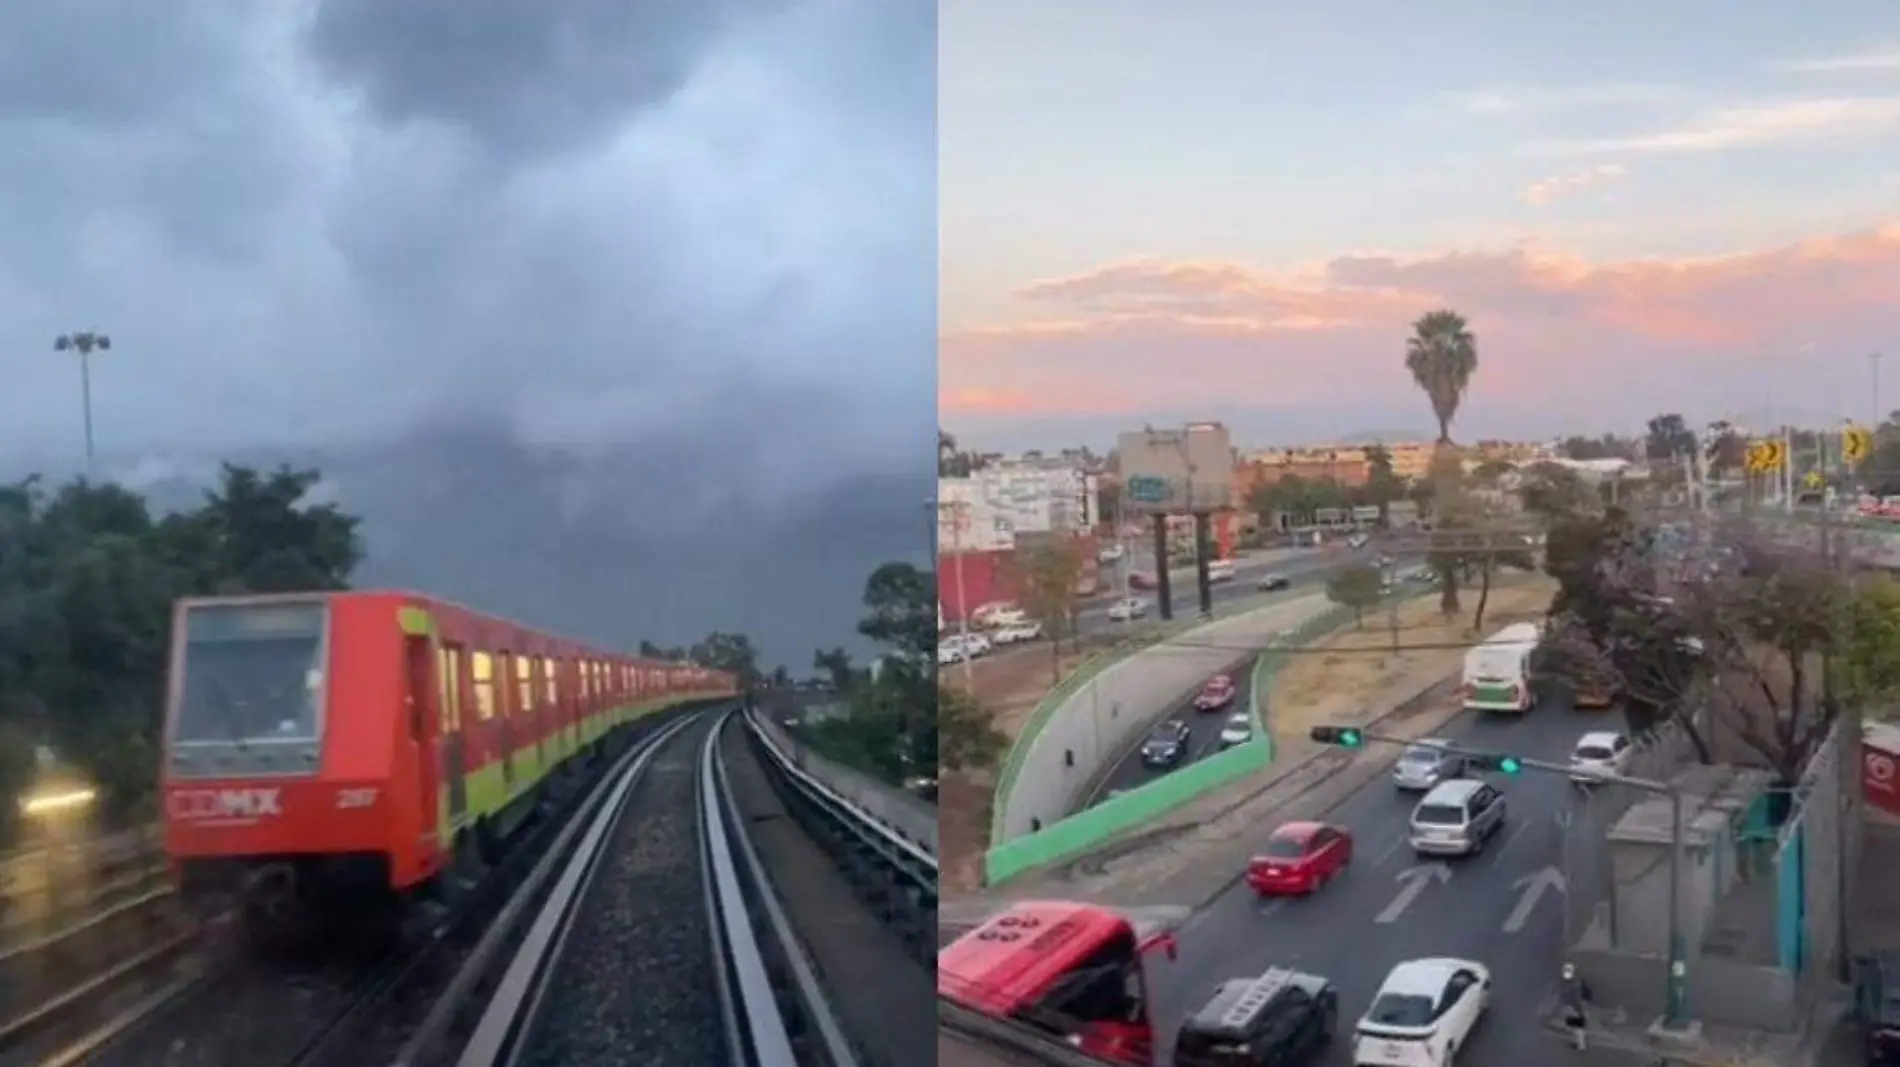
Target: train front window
[{"x": 252, "y": 672}]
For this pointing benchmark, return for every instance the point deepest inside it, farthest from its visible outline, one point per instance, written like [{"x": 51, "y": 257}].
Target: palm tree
[{"x": 1442, "y": 354}]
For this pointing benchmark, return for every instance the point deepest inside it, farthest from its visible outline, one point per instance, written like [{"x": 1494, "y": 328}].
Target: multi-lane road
[
  {"x": 1303, "y": 576},
  {"x": 1503, "y": 908},
  {"x": 1249, "y": 568},
  {"x": 1129, "y": 772}
]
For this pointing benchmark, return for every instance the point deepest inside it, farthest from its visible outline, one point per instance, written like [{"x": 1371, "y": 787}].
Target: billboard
[
  {"x": 968, "y": 580},
  {"x": 1172, "y": 472}
]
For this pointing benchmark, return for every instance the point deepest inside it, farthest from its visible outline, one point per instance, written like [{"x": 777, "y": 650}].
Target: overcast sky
[
  {"x": 705, "y": 226},
  {"x": 305, "y": 222}
]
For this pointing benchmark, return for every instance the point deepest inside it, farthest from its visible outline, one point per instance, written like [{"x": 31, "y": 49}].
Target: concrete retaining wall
[
  {"x": 1103, "y": 718},
  {"x": 1720, "y": 992}
]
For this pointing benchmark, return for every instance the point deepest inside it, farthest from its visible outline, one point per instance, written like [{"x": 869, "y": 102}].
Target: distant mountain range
[{"x": 610, "y": 544}]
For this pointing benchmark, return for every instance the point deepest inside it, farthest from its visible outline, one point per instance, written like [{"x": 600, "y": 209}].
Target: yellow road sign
[
  {"x": 1766, "y": 456},
  {"x": 1813, "y": 480},
  {"x": 1856, "y": 443}
]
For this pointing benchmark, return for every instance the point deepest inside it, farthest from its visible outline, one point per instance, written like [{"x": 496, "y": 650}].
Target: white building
[{"x": 998, "y": 502}]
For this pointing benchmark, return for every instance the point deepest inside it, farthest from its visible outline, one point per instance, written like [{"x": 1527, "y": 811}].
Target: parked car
[
  {"x": 1018, "y": 633},
  {"x": 1127, "y": 609},
  {"x": 1273, "y": 580}
]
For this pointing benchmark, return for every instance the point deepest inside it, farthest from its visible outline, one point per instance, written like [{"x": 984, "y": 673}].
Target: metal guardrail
[
  {"x": 907, "y": 856},
  {"x": 758, "y": 1032}
]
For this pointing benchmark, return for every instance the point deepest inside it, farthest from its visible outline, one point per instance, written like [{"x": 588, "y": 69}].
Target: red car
[
  {"x": 1217, "y": 694},
  {"x": 1299, "y": 858}
]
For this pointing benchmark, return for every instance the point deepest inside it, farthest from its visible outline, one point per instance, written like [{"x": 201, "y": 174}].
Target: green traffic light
[
  {"x": 1349, "y": 738},
  {"x": 1510, "y": 765}
]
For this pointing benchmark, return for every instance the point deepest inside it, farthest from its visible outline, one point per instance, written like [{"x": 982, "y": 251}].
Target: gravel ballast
[{"x": 636, "y": 983}]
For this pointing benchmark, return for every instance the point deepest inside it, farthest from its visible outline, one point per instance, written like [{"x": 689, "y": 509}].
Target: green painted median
[
  {"x": 1087, "y": 671},
  {"x": 1088, "y": 829}
]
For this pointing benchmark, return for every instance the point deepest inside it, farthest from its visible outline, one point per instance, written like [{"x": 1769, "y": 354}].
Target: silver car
[
  {"x": 1421, "y": 767},
  {"x": 1456, "y": 818}
]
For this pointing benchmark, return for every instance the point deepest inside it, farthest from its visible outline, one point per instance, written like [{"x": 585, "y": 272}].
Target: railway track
[
  {"x": 199, "y": 1000},
  {"x": 673, "y": 938},
  {"x": 701, "y": 901}
]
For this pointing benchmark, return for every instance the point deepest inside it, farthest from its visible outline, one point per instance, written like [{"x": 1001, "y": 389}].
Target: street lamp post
[
  {"x": 1873, "y": 374},
  {"x": 85, "y": 342}
]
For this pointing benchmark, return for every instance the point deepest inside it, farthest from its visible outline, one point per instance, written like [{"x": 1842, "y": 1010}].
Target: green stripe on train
[{"x": 487, "y": 790}]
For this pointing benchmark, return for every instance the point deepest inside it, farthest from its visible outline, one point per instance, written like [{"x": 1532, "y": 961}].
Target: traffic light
[
  {"x": 1343, "y": 736},
  {"x": 1491, "y": 761}
]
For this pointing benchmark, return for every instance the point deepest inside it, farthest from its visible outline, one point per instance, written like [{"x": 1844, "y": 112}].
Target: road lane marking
[
  {"x": 1497, "y": 858},
  {"x": 1532, "y": 888},
  {"x": 1389, "y": 850},
  {"x": 1413, "y": 881},
  {"x": 1266, "y": 910}
]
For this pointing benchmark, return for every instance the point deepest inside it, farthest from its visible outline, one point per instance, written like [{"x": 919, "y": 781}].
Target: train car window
[
  {"x": 482, "y": 667},
  {"x": 450, "y": 665},
  {"x": 548, "y": 680},
  {"x": 504, "y": 684},
  {"x": 524, "y": 683},
  {"x": 587, "y": 678}
]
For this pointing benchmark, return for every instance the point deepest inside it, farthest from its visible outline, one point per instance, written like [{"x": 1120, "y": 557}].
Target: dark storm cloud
[
  {"x": 681, "y": 255},
  {"x": 522, "y": 75}
]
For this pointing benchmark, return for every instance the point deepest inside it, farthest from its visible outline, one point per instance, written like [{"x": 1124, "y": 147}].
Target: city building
[{"x": 985, "y": 512}]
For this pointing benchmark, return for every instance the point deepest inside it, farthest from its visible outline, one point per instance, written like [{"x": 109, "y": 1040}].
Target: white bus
[{"x": 1497, "y": 674}]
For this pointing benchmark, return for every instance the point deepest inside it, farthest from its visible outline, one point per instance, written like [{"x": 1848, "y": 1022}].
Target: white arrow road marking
[
  {"x": 1414, "y": 880},
  {"x": 1533, "y": 885}
]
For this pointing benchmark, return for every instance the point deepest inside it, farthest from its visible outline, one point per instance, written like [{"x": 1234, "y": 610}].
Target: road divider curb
[{"x": 1091, "y": 827}]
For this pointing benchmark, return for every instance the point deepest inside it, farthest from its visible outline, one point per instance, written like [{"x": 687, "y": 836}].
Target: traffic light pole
[{"x": 1676, "y": 993}]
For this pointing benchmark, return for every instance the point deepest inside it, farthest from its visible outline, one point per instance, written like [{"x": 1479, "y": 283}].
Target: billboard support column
[
  {"x": 1164, "y": 588},
  {"x": 1201, "y": 540}
]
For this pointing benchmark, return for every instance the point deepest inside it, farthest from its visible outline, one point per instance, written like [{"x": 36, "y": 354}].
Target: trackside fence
[{"x": 1088, "y": 829}]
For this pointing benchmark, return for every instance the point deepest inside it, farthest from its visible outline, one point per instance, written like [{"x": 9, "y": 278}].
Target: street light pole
[
  {"x": 1873, "y": 373},
  {"x": 85, "y": 342}
]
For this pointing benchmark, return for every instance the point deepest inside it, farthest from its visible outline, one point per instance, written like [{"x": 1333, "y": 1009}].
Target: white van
[
  {"x": 1497, "y": 674},
  {"x": 1220, "y": 570}
]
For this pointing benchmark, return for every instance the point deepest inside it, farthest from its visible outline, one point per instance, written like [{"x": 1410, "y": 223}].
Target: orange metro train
[{"x": 329, "y": 748}]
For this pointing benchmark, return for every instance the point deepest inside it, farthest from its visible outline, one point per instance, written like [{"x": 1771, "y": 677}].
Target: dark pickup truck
[{"x": 1877, "y": 1006}]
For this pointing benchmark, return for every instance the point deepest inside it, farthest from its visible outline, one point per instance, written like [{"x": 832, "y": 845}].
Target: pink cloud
[{"x": 1146, "y": 335}]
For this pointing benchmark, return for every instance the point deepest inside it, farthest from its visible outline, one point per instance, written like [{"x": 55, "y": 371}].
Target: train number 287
[{"x": 355, "y": 798}]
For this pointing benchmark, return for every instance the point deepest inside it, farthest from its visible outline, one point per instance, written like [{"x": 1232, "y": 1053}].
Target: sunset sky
[{"x": 1233, "y": 208}]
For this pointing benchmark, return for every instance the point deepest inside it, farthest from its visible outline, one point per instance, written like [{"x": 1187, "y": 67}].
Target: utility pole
[
  {"x": 1873, "y": 373},
  {"x": 958, "y": 516},
  {"x": 85, "y": 342}
]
